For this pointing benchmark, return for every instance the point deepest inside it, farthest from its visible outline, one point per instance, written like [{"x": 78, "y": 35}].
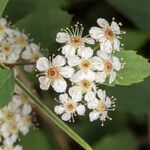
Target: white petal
[
  {"x": 60, "y": 85},
  {"x": 78, "y": 76},
  {"x": 106, "y": 46},
  {"x": 115, "y": 27},
  {"x": 80, "y": 110},
  {"x": 102, "y": 23},
  {"x": 42, "y": 64},
  {"x": 112, "y": 77},
  {"x": 67, "y": 71},
  {"x": 116, "y": 45},
  {"x": 97, "y": 63},
  {"x": 59, "y": 61},
  {"x": 102, "y": 55},
  {"x": 85, "y": 52},
  {"x": 26, "y": 54},
  {"x": 96, "y": 33},
  {"x": 89, "y": 75},
  {"x": 108, "y": 102},
  {"x": 116, "y": 63},
  {"x": 73, "y": 60},
  {"x": 59, "y": 110},
  {"x": 89, "y": 96},
  {"x": 44, "y": 82},
  {"x": 101, "y": 94},
  {"x": 68, "y": 50},
  {"x": 103, "y": 116},
  {"x": 92, "y": 104},
  {"x": 100, "y": 77},
  {"x": 75, "y": 93},
  {"x": 62, "y": 37},
  {"x": 66, "y": 116},
  {"x": 29, "y": 68},
  {"x": 26, "y": 109},
  {"x": 63, "y": 98},
  {"x": 88, "y": 40},
  {"x": 93, "y": 115}
]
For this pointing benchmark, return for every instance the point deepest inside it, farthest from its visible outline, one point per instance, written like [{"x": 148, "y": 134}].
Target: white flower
[
  {"x": 53, "y": 73},
  {"x": 111, "y": 64},
  {"x": 24, "y": 124},
  {"x": 73, "y": 40},
  {"x": 9, "y": 53},
  {"x": 86, "y": 65},
  {"x": 100, "y": 105},
  {"x": 31, "y": 53},
  {"x": 70, "y": 105},
  {"x": 107, "y": 35}
]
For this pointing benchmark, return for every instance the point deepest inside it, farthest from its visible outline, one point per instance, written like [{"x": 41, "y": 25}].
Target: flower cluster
[
  {"x": 15, "y": 119},
  {"x": 15, "y": 45},
  {"x": 81, "y": 68}
]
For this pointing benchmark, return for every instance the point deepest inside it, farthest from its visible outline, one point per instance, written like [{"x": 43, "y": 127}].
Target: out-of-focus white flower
[
  {"x": 15, "y": 118},
  {"x": 31, "y": 53},
  {"x": 100, "y": 105},
  {"x": 73, "y": 39},
  {"x": 16, "y": 147},
  {"x": 9, "y": 53},
  {"x": 53, "y": 73},
  {"x": 107, "y": 35},
  {"x": 110, "y": 64},
  {"x": 70, "y": 105}
]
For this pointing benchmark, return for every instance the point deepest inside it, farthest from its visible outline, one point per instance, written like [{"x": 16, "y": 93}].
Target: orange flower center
[
  {"x": 108, "y": 67},
  {"x": 109, "y": 34},
  {"x": 76, "y": 41},
  {"x": 53, "y": 73},
  {"x": 21, "y": 41},
  {"x": 70, "y": 106},
  {"x": 85, "y": 85},
  {"x": 85, "y": 64},
  {"x": 6, "y": 49},
  {"x": 101, "y": 106}
]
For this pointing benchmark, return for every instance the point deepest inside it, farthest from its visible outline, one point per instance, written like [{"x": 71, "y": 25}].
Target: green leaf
[
  {"x": 134, "y": 99},
  {"x": 16, "y": 13},
  {"x": 6, "y": 86},
  {"x": 136, "y": 10},
  {"x": 3, "y": 4},
  {"x": 35, "y": 140},
  {"x": 120, "y": 141},
  {"x": 44, "y": 26},
  {"x": 134, "y": 39},
  {"x": 135, "y": 70}
]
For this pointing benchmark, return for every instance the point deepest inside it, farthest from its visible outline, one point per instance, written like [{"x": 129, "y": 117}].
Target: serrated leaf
[
  {"x": 120, "y": 141},
  {"x": 6, "y": 86},
  {"x": 3, "y": 4},
  {"x": 44, "y": 26},
  {"x": 136, "y": 10},
  {"x": 134, "y": 39},
  {"x": 135, "y": 70},
  {"x": 35, "y": 140},
  {"x": 133, "y": 99}
]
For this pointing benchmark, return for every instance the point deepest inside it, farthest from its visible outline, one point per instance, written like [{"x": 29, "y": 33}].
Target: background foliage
[{"x": 42, "y": 19}]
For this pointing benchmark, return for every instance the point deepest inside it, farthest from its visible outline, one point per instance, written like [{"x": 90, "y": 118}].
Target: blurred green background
[{"x": 130, "y": 127}]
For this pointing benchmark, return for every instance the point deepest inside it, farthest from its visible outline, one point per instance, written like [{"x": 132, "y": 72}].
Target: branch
[{"x": 11, "y": 65}]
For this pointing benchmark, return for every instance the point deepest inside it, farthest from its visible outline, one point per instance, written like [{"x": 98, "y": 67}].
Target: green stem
[
  {"x": 50, "y": 114},
  {"x": 96, "y": 47}
]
